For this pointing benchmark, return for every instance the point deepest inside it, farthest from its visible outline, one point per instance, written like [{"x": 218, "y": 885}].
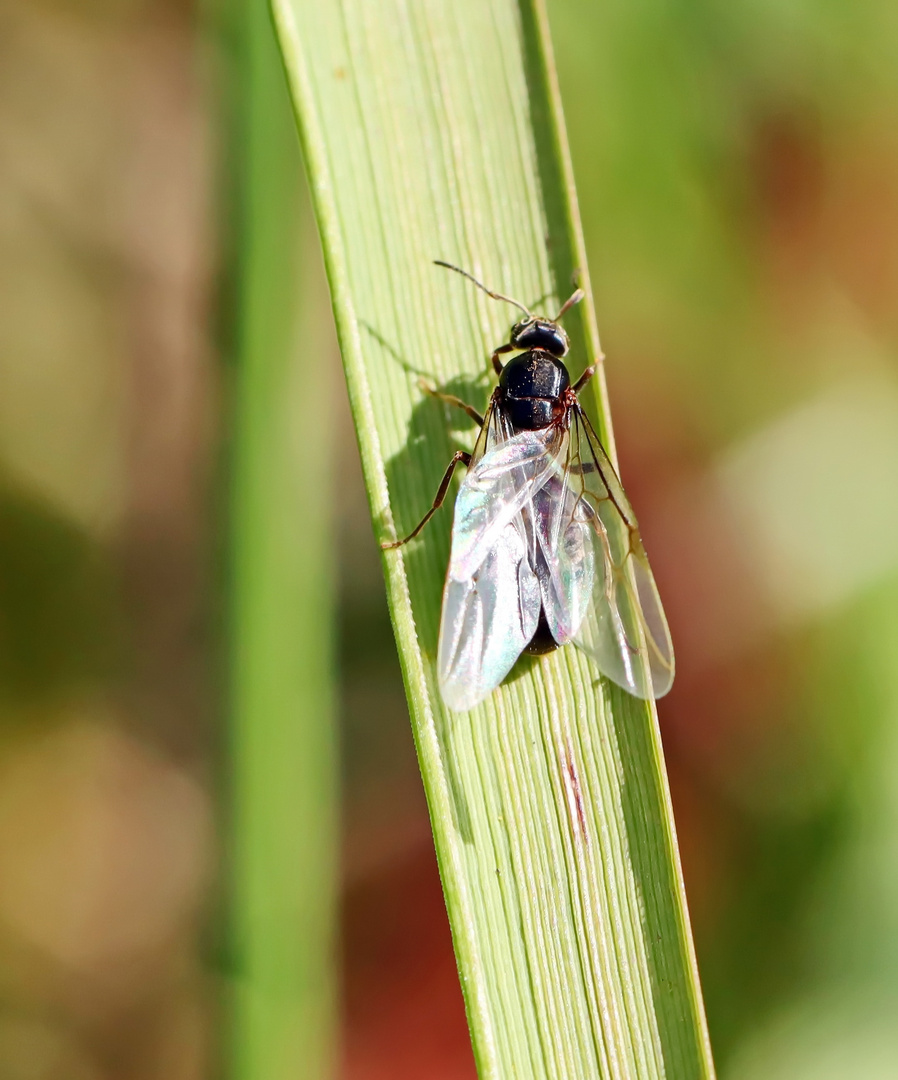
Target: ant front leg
[
  {"x": 451, "y": 399},
  {"x": 584, "y": 378},
  {"x": 497, "y": 363},
  {"x": 459, "y": 456}
]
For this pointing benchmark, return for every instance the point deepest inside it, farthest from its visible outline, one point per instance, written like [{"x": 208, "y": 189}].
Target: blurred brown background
[{"x": 738, "y": 173}]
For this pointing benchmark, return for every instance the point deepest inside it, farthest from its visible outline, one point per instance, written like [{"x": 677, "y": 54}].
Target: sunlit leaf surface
[{"x": 431, "y": 131}]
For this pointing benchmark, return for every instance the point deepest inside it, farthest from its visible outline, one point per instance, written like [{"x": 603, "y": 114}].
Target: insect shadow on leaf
[{"x": 442, "y": 429}]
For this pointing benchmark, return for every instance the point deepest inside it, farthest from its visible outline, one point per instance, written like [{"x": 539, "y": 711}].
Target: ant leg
[
  {"x": 584, "y": 378},
  {"x": 451, "y": 399},
  {"x": 459, "y": 456},
  {"x": 497, "y": 365}
]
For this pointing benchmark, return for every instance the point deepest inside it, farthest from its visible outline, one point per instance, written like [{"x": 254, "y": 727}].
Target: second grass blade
[
  {"x": 431, "y": 131},
  {"x": 282, "y": 771}
]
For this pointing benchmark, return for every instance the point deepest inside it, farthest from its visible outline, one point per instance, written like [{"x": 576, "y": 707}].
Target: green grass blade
[
  {"x": 432, "y": 130},
  {"x": 283, "y": 764}
]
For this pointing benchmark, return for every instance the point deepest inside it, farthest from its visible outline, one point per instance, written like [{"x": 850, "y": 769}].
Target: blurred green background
[{"x": 737, "y": 167}]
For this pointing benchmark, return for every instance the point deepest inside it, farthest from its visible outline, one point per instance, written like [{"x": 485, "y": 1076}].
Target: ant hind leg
[{"x": 459, "y": 456}]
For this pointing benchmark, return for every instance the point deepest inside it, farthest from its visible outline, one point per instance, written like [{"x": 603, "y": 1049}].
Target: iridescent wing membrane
[
  {"x": 542, "y": 524},
  {"x": 625, "y": 630}
]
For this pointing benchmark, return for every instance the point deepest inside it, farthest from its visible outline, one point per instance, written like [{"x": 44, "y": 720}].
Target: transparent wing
[
  {"x": 625, "y": 630},
  {"x": 562, "y": 554},
  {"x": 491, "y": 601},
  {"x": 487, "y": 621},
  {"x": 501, "y": 480}
]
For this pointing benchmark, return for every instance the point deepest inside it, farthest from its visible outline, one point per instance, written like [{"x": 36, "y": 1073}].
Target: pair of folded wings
[{"x": 542, "y": 524}]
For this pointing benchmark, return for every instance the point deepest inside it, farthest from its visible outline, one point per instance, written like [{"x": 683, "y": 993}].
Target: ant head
[{"x": 535, "y": 333}]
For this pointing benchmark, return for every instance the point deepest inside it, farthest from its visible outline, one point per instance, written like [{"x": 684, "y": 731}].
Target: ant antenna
[
  {"x": 489, "y": 292},
  {"x": 575, "y": 298}
]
